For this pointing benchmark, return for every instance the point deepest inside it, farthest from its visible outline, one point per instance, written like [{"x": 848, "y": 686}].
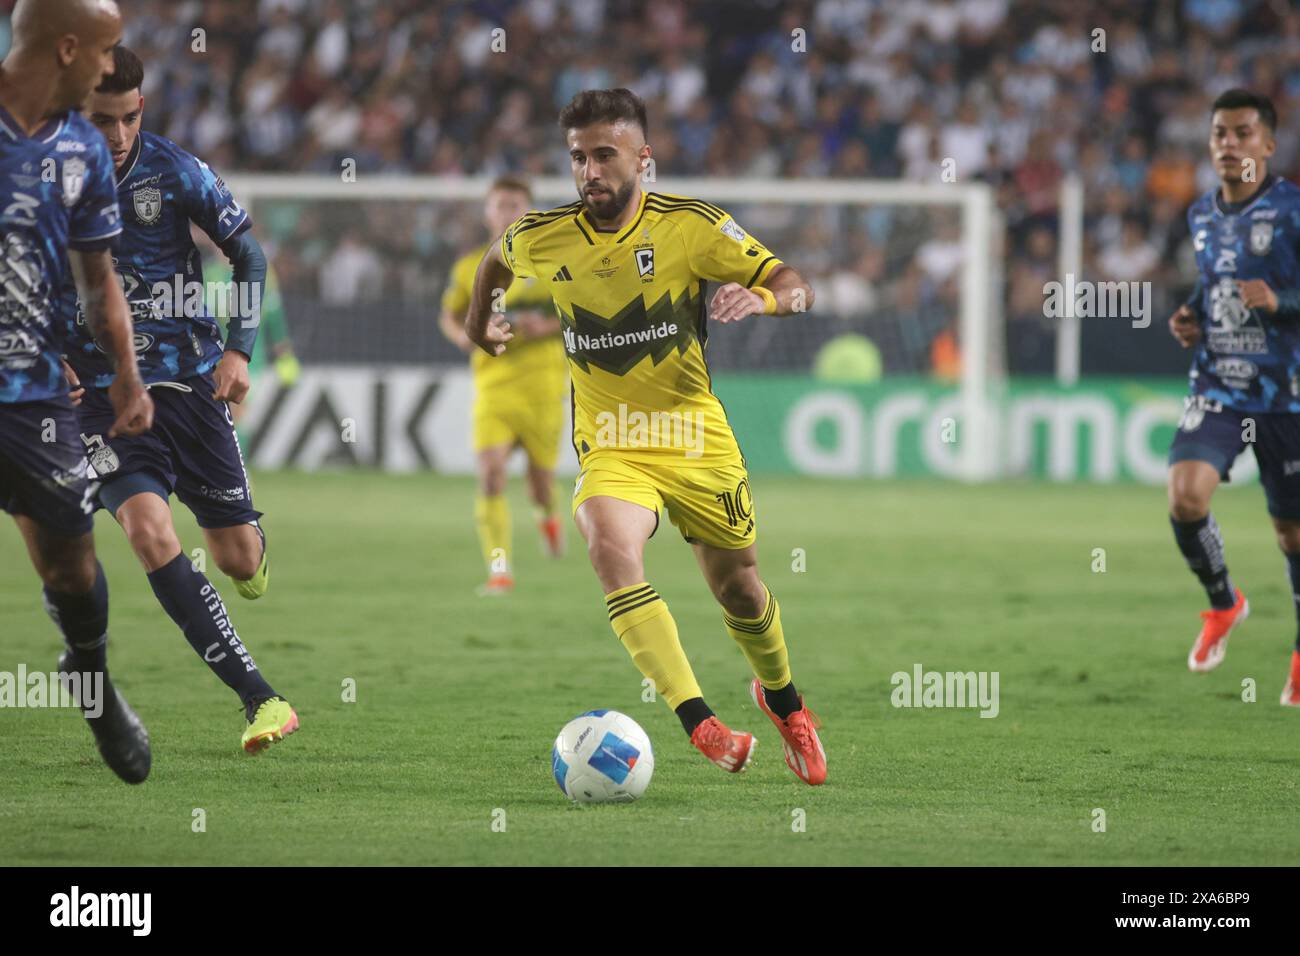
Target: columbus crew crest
[
  {"x": 1261, "y": 238},
  {"x": 645, "y": 261},
  {"x": 148, "y": 205}
]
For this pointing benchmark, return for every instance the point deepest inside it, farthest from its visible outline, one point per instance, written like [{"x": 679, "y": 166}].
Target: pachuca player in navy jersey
[
  {"x": 192, "y": 450},
  {"x": 59, "y": 213},
  {"x": 1244, "y": 320}
]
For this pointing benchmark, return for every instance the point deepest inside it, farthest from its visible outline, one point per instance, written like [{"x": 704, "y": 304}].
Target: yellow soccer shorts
[
  {"x": 709, "y": 504},
  {"x": 509, "y": 416}
]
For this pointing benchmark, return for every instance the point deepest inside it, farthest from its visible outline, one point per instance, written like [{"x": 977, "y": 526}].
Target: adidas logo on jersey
[{"x": 563, "y": 275}]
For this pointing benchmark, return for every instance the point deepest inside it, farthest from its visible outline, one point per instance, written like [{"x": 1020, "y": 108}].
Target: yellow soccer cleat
[
  {"x": 256, "y": 586},
  {"x": 271, "y": 721}
]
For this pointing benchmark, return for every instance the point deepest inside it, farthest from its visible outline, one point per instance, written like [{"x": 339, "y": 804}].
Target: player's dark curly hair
[
  {"x": 1236, "y": 99},
  {"x": 604, "y": 106},
  {"x": 128, "y": 73}
]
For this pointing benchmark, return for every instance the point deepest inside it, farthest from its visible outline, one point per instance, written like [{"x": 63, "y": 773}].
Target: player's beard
[{"x": 610, "y": 208}]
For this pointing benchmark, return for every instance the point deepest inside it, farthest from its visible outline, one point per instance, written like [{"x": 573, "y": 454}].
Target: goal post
[{"x": 816, "y": 224}]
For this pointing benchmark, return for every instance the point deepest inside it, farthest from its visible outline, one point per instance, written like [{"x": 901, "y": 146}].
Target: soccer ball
[{"x": 602, "y": 756}]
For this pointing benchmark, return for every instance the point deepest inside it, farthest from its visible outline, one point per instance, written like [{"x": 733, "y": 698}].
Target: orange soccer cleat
[
  {"x": 552, "y": 536},
  {"x": 1291, "y": 693},
  {"x": 1212, "y": 643},
  {"x": 803, "y": 748},
  {"x": 497, "y": 585},
  {"x": 729, "y": 749}
]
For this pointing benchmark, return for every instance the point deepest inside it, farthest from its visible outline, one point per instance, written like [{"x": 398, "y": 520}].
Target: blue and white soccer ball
[{"x": 602, "y": 756}]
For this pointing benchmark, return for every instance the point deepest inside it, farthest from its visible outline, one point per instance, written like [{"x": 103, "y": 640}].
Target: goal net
[{"x": 894, "y": 371}]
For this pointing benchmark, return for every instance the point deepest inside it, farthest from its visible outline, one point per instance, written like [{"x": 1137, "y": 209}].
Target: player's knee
[
  {"x": 612, "y": 557},
  {"x": 153, "y": 540},
  {"x": 70, "y": 574},
  {"x": 492, "y": 482},
  {"x": 540, "y": 483},
  {"x": 1187, "y": 502},
  {"x": 1288, "y": 535},
  {"x": 742, "y": 595}
]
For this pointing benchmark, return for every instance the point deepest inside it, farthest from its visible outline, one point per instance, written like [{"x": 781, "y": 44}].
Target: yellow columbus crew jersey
[
  {"x": 523, "y": 359},
  {"x": 633, "y": 312}
]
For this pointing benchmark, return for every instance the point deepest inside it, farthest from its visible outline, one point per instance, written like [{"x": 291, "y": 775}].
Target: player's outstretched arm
[
  {"x": 109, "y": 321},
  {"x": 483, "y": 326},
  {"x": 248, "y": 272},
  {"x": 784, "y": 292}
]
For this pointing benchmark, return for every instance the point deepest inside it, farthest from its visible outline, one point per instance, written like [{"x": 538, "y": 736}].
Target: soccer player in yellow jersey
[
  {"x": 627, "y": 270},
  {"x": 518, "y": 398}
]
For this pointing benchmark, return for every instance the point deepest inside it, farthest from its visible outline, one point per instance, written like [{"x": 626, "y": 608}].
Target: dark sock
[
  {"x": 692, "y": 713},
  {"x": 783, "y": 702},
  {"x": 194, "y": 604},
  {"x": 1202, "y": 546},
  {"x": 1293, "y": 568},
  {"x": 83, "y": 620}
]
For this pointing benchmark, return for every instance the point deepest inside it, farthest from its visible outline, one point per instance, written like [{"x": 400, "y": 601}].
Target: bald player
[{"x": 59, "y": 213}]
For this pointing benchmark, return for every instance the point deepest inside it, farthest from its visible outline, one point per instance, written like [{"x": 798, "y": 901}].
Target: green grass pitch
[{"x": 459, "y": 698}]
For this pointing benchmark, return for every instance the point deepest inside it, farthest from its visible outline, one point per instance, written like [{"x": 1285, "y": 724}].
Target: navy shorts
[
  {"x": 191, "y": 450},
  {"x": 1211, "y": 433},
  {"x": 43, "y": 468}
]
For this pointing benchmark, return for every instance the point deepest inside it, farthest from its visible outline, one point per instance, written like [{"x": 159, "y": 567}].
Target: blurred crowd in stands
[{"x": 1016, "y": 93}]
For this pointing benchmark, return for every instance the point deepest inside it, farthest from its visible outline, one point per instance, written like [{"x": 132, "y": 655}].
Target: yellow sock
[
  {"x": 492, "y": 513},
  {"x": 641, "y": 620},
  {"x": 763, "y": 642}
]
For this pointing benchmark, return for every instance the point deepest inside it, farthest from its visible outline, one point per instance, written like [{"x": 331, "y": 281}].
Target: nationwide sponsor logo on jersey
[
  {"x": 619, "y": 343},
  {"x": 574, "y": 342},
  {"x": 148, "y": 205},
  {"x": 74, "y": 180},
  {"x": 1236, "y": 372},
  {"x": 1261, "y": 238}
]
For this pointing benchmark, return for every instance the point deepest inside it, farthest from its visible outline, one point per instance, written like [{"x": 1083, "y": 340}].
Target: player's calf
[{"x": 240, "y": 552}]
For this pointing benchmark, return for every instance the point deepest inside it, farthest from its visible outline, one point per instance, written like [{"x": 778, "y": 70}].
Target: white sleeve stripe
[{"x": 235, "y": 228}]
